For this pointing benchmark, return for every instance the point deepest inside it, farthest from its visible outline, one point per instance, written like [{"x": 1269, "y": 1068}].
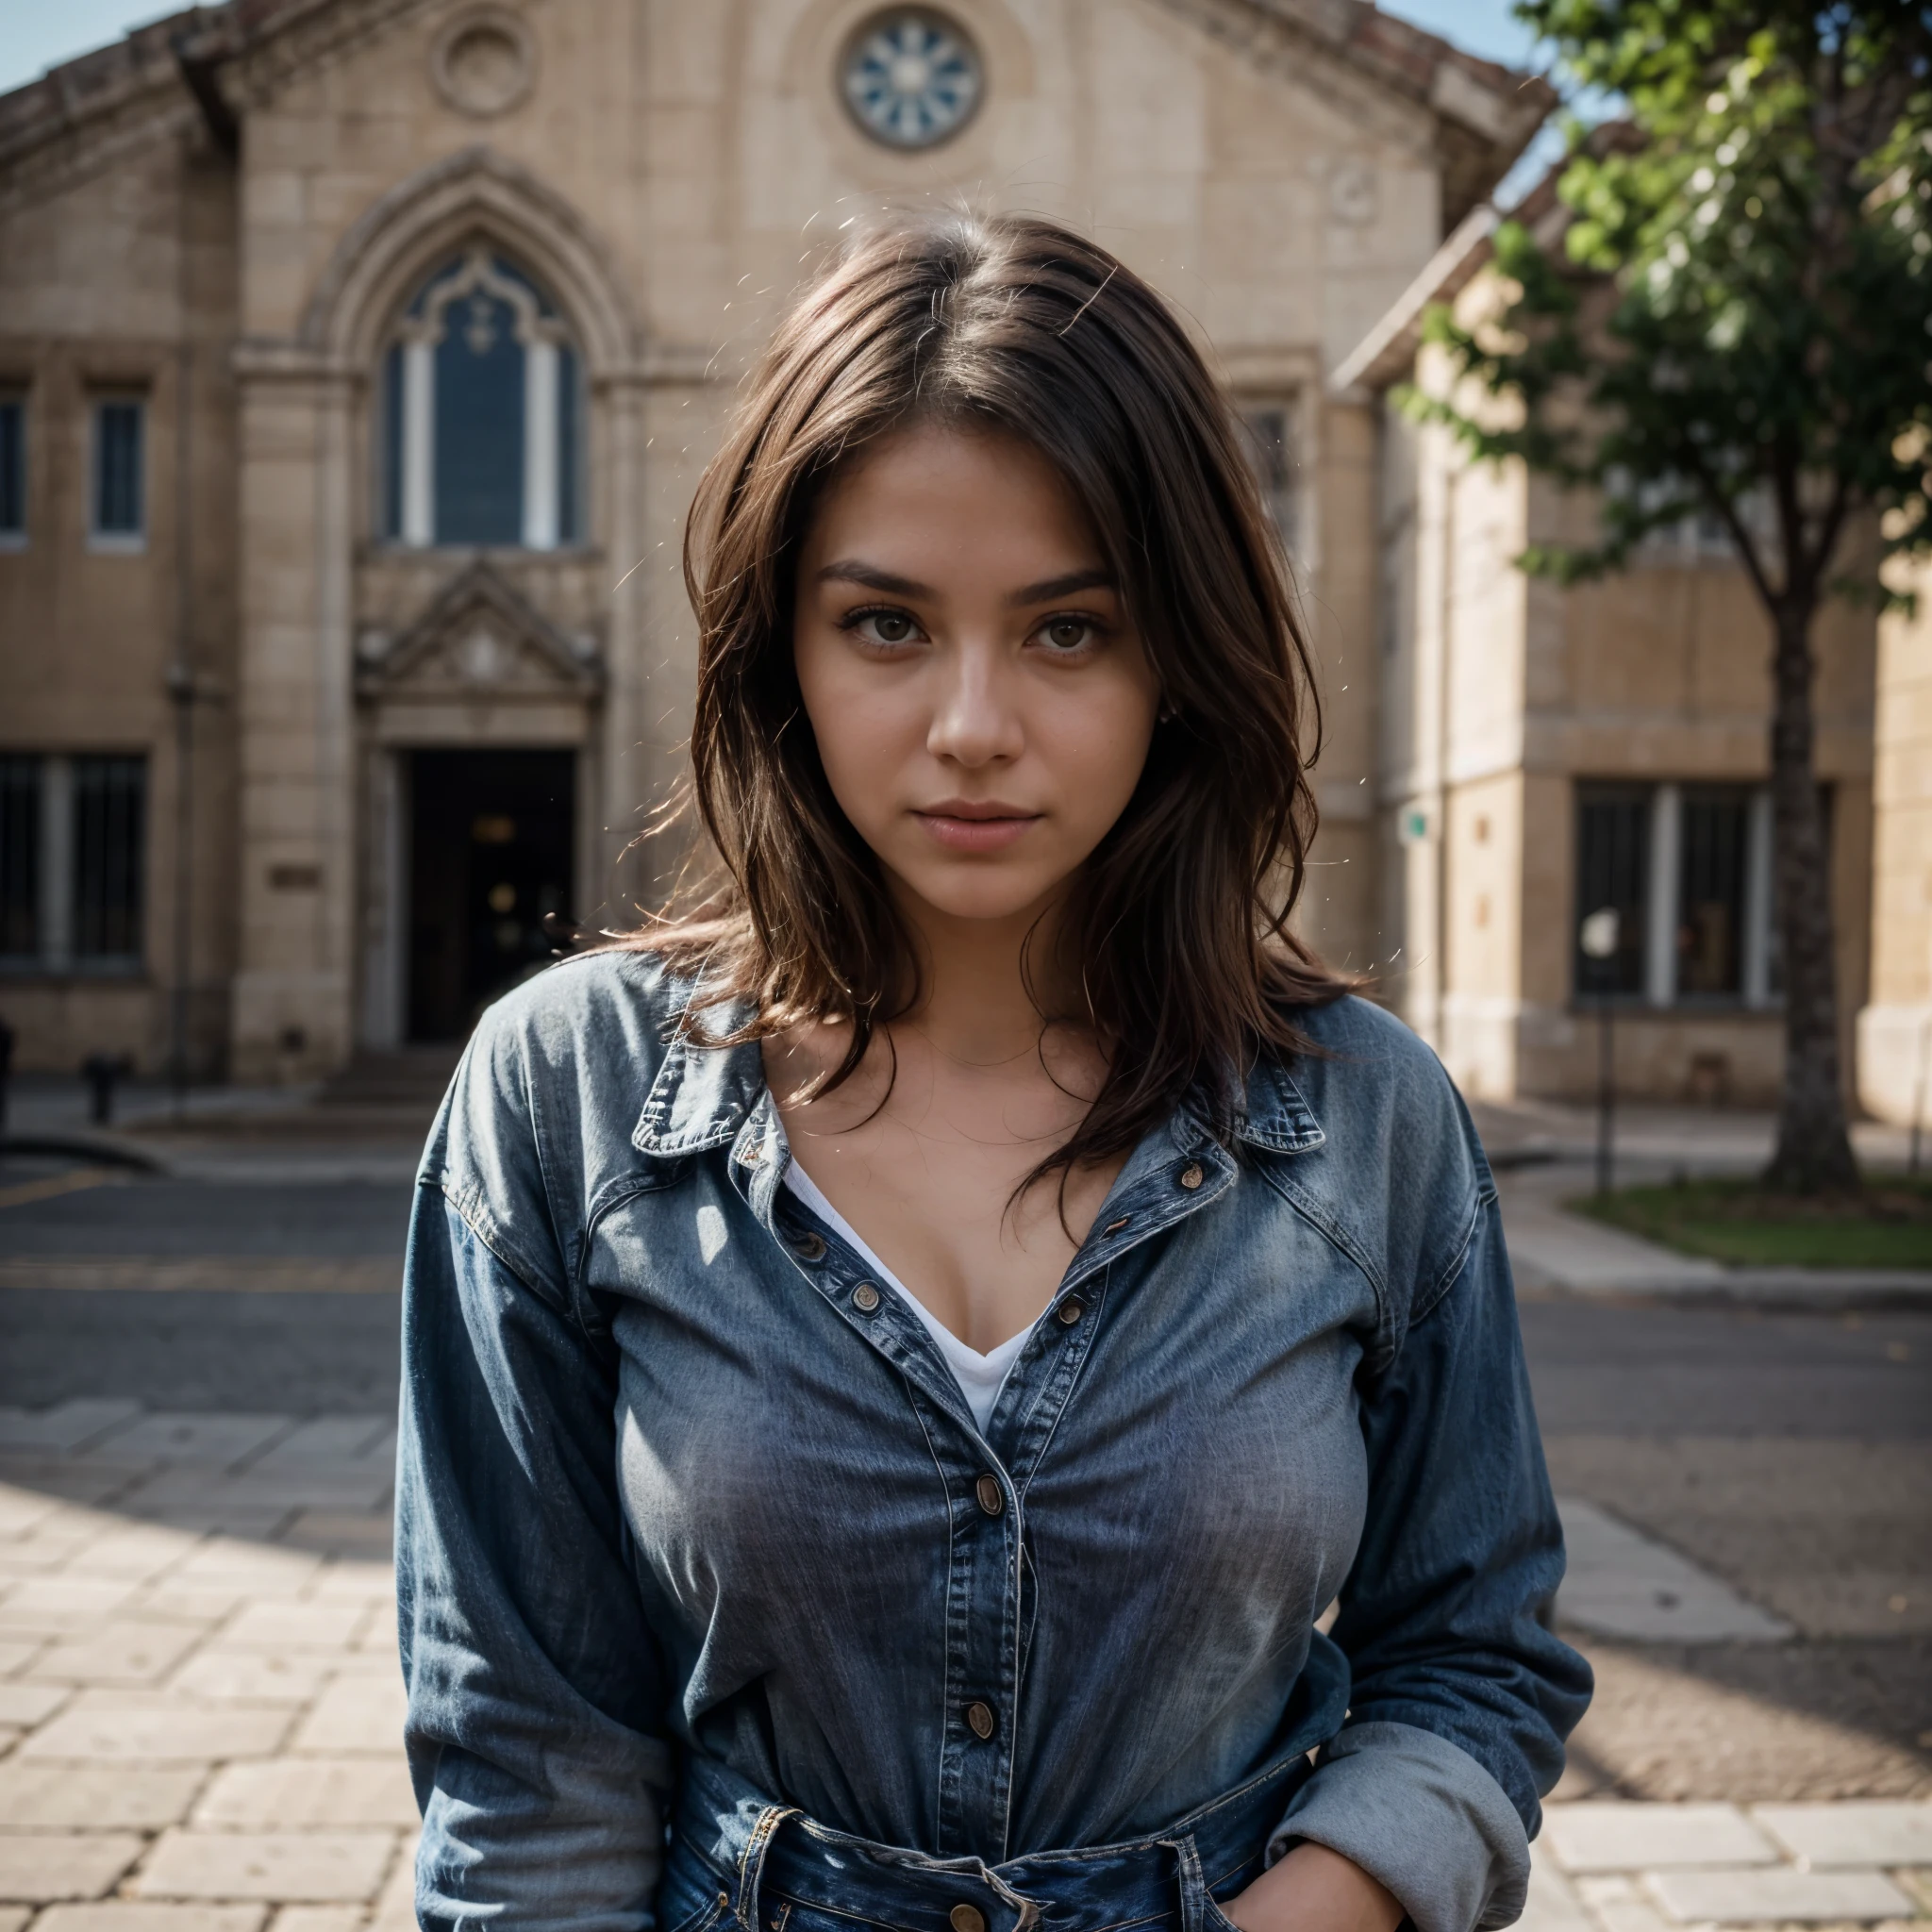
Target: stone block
[
  {"x": 215, "y": 1439},
  {"x": 90, "y": 1798},
  {"x": 56, "y": 1606},
  {"x": 1850, "y": 1832},
  {"x": 318, "y": 1919},
  {"x": 12, "y": 1918},
  {"x": 191, "y": 1602},
  {"x": 22, "y": 1508},
  {"x": 306, "y": 1625},
  {"x": 40, "y": 1866},
  {"x": 139, "y": 1727},
  {"x": 395, "y": 1910},
  {"x": 14, "y": 1652},
  {"x": 134, "y": 1915},
  {"x": 364, "y": 1541},
  {"x": 252, "y": 1677},
  {"x": 1613, "y": 1837},
  {"x": 1750, "y": 1895},
  {"x": 242, "y": 1564},
  {"x": 332, "y": 1439},
  {"x": 297, "y": 1868},
  {"x": 1552, "y": 1905},
  {"x": 66, "y": 1427},
  {"x": 309, "y": 1792},
  {"x": 31, "y": 1704},
  {"x": 120, "y": 1653},
  {"x": 355, "y": 1715},
  {"x": 137, "y": 1552}
]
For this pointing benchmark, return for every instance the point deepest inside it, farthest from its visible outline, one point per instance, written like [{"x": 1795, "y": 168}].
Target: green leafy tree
[{"x": 1735, "y": 323}]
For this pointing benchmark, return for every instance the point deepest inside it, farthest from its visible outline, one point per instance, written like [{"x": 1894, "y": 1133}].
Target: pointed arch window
[{"x": 482, "y": 413}]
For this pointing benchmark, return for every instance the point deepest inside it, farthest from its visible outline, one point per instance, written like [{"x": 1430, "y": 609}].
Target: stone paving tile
[
  {"x": 15, "y": 1652},
  {"x": 40, "y": 1866},
  {"x": 242, "y": 1564},
  {"x": 54, "y": 1606},
  {"x": 184, "y": 1490},
  {"x": 137, "y": 1727},
  {"x": 366, "y": 1537},
  {"x": 217, "y": 1441},
  {"x": 1854, "y": 1832},
  {"x": 1617, "y": 1906},
  {"x": 297, "y": 1793},
  {"x": 290, "y": 1867},
  {"x": 138, "y": 1553},
  {"x": 9, "y": 1736},
  {"x": 1553, "y": 1904},
  {"x": 1758, "y": 1894},
  {"x": 354, "y": 1714},
  {"x": 66, "y": 1427},
  {"x": 31, "y": 1704},
  {"x": 252, "y": 1677},
  {"x": 332, "y": 1440},
  {"x": 187, "y": 1602},
  {"x": 319, "y": 1919},
  {"x": 296, "y": 1626},
  {"x": 122, "y": 1797},
  {"x": 131, "y": 1915},
  {"x": 13, "y": 1917},
  {"x": 1621, "y": 1836},
  {"x": 122, "y": 1652},
  {"x": 395, "y": 1910}
]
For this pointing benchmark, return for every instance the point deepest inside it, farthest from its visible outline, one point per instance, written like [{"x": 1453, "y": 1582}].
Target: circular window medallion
[
  {"x": 484, "y": 62},
  {"x": 911, "y": 77}
]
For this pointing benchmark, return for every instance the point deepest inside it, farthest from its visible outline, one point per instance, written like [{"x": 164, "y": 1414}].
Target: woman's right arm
[{"x": 536, "y": 1687}]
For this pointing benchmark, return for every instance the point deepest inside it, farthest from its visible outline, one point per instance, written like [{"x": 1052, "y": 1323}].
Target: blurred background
[{"x": 358, "y": 360}]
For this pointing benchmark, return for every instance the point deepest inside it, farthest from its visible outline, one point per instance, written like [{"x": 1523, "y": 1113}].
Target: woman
[{"x": 899, "y": 1359}]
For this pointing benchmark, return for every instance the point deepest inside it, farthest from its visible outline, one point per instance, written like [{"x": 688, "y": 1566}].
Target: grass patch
[{"x": 1888, "y": 1226}]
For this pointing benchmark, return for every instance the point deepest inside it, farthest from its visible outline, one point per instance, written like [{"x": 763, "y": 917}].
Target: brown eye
[
  {"x": 889, "y": 627},
  {"x": 1067, "y": 633}
]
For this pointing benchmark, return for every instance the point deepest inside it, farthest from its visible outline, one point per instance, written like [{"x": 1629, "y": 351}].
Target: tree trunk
[{"x": 1814, "y": 1151}]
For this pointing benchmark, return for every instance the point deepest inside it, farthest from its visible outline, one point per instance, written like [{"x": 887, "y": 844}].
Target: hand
[{"x": 1314, "y": 1890}]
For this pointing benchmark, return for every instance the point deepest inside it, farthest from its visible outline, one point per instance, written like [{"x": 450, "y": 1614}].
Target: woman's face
[{"x": 982, "y": 707}]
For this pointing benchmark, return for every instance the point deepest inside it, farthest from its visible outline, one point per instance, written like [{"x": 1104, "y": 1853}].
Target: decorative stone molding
[
  {"x": 475, "y": 190},
  {"x": 484, "y": 62},
  {"x": 478, "y": 639}
]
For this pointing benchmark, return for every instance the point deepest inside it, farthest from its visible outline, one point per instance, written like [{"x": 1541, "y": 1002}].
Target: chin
[{"x": 989, "y": 894}]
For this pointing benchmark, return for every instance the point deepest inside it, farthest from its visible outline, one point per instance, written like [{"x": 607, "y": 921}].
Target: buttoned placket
[{"x": 1175, "y": 1173}]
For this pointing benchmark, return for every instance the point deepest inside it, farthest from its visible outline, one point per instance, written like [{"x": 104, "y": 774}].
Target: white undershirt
[{"x": 980, "y": 1375}]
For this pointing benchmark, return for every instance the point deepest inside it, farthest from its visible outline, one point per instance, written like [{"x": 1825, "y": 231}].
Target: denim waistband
[{"x": 760, "y": 1854}]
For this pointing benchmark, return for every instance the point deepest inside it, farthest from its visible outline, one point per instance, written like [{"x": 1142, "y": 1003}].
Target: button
[
  {"x": 1191, "y": 1176},
  {"x": 1069, "y": 1312},
  {"x": 751, "y": 1154},
  {"x": 865, "y": 1297},
  {"x": 991, "y": 1499},
  {"x": 979, "y": 1720},
  {"x": 1115, "y": 1227},
  {"x": 811, "y": 1247},
  {"x": 967, "y": 1919}
]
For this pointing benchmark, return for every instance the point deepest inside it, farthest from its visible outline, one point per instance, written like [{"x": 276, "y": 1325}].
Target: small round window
[{"x": 911, "y": 77}]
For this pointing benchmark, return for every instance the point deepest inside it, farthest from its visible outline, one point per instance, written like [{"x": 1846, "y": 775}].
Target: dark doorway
[{"x": 491, "y": 839}]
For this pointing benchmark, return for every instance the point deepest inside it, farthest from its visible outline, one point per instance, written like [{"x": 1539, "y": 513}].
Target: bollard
[{"x": 101, "y": 1071}]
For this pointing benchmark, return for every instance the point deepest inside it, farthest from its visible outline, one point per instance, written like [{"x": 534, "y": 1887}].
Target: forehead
[{"x": 945, "y": 489}]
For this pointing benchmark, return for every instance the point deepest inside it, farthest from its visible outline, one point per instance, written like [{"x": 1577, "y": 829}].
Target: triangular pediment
[{"x": 480, "y": 638}]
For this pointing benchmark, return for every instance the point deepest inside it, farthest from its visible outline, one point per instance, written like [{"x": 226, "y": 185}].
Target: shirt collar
[{"x": 703, "y": 1094}]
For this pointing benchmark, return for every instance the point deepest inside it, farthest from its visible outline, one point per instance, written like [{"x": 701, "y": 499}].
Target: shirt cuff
[{"x": 1421, "y": 1815}]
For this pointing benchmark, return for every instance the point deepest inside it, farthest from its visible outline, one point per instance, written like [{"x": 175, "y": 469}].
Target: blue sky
[{"x": 38, "y": 34}]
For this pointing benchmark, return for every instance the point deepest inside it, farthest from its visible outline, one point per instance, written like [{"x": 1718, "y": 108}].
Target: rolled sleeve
[
  {"x": 1461, "y": 1697},
  {"x": 1421, "y": 1815}
]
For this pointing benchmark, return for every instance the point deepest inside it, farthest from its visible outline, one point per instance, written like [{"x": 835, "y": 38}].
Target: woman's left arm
[{"x": 1461, "y": 1697}]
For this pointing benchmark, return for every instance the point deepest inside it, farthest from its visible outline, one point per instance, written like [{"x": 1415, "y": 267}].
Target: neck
[{"x": 975, "y": 1003}]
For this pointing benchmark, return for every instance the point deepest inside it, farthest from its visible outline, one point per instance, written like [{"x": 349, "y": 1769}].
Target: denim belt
[{"x": 737, "y": 1856}]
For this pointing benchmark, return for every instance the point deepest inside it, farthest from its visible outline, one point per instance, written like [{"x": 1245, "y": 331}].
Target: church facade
[
  {"x": 358, "y": 357},
  {"x": 358, "y": 361}
]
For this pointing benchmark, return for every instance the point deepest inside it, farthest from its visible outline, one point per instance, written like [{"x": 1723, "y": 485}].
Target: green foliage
[
  {"x": 1741, "y": 301},
  {"x": 1888, "y": 1223}
]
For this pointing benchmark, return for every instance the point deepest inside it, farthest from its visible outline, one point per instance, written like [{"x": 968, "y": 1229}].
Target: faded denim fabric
[{"x": 676, "y": 1511}]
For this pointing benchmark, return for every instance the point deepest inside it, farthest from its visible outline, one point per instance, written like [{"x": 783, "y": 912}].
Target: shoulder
[{"x": 1392, "y": 1170}]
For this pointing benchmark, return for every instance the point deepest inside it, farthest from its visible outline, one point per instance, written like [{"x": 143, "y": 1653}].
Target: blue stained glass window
[
  {"x": 117, "y": 469},
  {"x": 479, "y": 423}
]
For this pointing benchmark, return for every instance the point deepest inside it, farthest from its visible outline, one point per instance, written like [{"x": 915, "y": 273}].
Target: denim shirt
[{"x": 674, "y": 1478}]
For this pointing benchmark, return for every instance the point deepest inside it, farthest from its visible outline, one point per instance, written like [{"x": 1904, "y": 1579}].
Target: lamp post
[{"x": 1597, "y": 939}]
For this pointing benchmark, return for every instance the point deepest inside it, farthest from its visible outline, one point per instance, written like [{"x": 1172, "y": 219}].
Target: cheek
[
  {"x": 863, "y": 725},
  {"x": 1098, "y": 748}
]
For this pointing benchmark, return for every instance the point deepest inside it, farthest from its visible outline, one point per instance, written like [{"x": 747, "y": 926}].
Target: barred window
[
  {"x": 109, "y": 801},
  {"x": 119, "y": 436},
  {"x": 1711, "y": 892},
  {"x": 1268, "y": 433},
  {"x": 1613, "y": 874}
]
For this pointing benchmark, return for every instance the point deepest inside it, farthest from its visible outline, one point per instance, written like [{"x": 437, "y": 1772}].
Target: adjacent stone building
[{"x": 357, "y": 359}]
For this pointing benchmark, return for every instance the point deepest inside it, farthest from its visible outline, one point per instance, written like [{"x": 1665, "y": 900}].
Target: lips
[{"x": 971, "y": 825}]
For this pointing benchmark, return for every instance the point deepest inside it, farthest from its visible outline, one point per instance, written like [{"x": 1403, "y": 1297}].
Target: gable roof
[{"x": 168, "y": 75}]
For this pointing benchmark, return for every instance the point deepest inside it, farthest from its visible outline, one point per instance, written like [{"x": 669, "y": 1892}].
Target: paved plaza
[{"x": 199, "y": 1698}]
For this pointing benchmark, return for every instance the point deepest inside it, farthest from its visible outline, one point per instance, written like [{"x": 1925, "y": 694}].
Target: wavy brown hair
[{"x": 1176, "y": 928}]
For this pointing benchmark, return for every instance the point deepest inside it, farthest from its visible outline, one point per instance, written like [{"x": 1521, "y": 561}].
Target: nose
[{"x": 975, "y": 717}]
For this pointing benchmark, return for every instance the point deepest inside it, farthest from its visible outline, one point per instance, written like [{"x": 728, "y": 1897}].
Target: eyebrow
[{"x": 850, "y": 570}]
